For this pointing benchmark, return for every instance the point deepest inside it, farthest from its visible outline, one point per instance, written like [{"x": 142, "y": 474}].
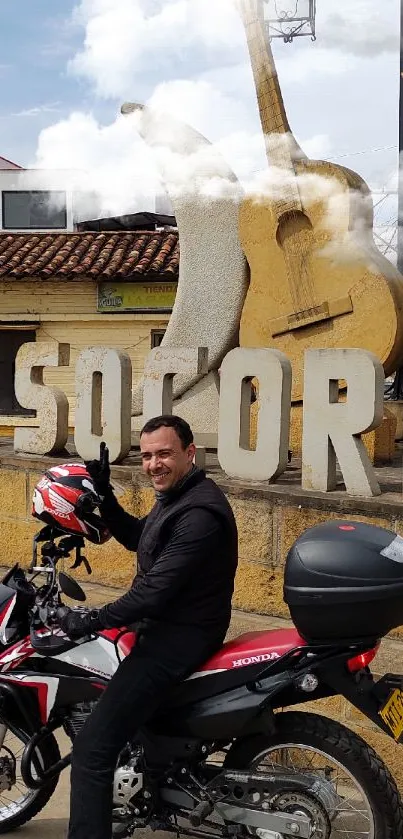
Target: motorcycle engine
[{"x": 78, "y": 714}]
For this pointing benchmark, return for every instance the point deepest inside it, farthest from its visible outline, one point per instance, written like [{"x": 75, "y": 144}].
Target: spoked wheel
[
  {"x": 351, "y": 793},
  {"x": 18, "y": 803}
]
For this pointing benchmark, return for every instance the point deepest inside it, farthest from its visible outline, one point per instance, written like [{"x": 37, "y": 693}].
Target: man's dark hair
[{"x": 179, "y": 425}]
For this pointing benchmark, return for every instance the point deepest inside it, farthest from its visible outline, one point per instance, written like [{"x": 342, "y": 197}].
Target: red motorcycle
[{"x": 221, "y": 759}]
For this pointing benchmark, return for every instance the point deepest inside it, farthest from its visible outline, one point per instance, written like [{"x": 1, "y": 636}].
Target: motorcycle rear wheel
[
  {"x": 323, "y": 739},
  {"x": 17, "y": 811}
]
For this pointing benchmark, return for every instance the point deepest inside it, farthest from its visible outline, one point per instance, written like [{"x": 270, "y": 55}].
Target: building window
[
  {"x": 34, "y": 210},
  {"x": 10, "y": 342},
  {"x": 156, "y": 337}
]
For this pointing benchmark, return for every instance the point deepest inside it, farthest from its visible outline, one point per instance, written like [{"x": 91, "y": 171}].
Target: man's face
[{"x": 164, "y": 458}]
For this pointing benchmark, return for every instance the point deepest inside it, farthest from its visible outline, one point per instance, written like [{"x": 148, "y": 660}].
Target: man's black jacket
[{"x": 187, "y": 554}]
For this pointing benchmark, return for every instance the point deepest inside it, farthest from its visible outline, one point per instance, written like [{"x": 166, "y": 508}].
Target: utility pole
[
  {"x": 400, "y": 188},
  {"x": 395, "y": 391}
]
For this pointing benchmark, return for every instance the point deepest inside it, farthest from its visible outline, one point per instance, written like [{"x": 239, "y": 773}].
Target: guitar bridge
[{"x": 306, "y": 317}]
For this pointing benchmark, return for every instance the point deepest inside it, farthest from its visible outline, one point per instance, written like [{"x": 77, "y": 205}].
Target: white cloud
[
  {"x": 109, "y": 161},
  {"x": 362, "y": 27},
  {"x": 114, "y": 163},
  {"x": 126, "y": 37},
  {"x": 37, "y": 110},
  {"x": 129, "y": 44},
  {"x": 299, "y": 65},
  {"x": 201, "y": 104},
  {"x": 318, "y": 147}
]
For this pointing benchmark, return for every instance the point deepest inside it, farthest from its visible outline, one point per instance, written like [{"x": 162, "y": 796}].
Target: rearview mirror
[{"x": 71, "y": 588}]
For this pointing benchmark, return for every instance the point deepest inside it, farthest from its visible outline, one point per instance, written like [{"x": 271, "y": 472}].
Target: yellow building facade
[{"x": 110, "y": 289}]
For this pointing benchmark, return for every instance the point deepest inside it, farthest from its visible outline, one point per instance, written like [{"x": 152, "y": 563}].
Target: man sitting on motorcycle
[{"x": 180, "y": 600}]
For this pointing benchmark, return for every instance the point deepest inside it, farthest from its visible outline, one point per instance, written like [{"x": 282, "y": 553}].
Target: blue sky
[
  {"x": 87, "y": 58},
  {"x": 34, "y": 45},
  {"x": 36, "y": 87}
]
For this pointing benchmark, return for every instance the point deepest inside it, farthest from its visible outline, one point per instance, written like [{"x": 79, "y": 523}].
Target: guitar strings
[{"x": 297, "y": 256}]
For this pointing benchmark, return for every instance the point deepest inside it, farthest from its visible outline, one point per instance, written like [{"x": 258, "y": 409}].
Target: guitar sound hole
[{"x": 290, "y": 226}]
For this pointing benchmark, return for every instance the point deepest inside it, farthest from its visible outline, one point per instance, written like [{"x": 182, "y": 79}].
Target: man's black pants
[{"x": 161, "y": 659}]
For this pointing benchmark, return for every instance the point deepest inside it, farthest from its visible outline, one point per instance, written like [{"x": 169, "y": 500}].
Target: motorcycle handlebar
[{"x": 52, "y": 552}]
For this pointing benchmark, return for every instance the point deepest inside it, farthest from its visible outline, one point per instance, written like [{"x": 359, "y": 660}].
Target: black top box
[{"x": 344, "y": 581}]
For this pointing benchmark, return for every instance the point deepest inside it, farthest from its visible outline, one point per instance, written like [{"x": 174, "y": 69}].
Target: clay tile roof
[{"x": 98, "y": 256}]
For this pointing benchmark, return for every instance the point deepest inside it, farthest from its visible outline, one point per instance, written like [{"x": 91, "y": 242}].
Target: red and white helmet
[{"x": 66, "y": 499}]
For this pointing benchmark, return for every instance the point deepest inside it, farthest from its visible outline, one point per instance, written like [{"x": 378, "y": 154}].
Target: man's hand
[
  {"x": 78, "y": 624},
  {"x": 100, "y": 471}
]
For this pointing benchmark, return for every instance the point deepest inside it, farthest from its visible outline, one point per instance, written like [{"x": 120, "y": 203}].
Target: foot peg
[{"x": 200, "y": 813}]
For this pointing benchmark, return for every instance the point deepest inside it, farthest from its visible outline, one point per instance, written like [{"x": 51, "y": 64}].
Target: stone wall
[{"x": 269, "y": 519}]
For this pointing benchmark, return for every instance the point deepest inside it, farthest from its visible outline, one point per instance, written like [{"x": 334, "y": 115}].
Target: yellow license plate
[{"x": 392, "y": 713}]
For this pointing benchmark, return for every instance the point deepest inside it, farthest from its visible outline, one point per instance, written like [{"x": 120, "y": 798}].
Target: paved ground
[{"x": 52, "y": 822}]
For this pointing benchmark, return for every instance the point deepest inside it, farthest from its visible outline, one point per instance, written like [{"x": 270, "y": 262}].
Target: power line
[
  {"x": 351, "y": 154},
  {"x": 363, "y": 151}
]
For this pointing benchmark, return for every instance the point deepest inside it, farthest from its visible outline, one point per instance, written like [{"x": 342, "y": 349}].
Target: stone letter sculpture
[
  {"x": 162, "y": 364},
  {"x": 273, "y": 370},
  {"x": 50, "y": 403},
  {"x": 331, "y": 428},
  {"x": 103, "y": 394}
]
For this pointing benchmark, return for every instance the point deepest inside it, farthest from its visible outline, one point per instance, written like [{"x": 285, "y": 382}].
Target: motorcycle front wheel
[
  {"x": 352, "y": 793},
  {"x": 20, "y": 804}
]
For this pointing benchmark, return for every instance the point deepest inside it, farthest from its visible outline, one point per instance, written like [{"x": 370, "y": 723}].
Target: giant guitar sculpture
[{"x": 317, "y": 279}]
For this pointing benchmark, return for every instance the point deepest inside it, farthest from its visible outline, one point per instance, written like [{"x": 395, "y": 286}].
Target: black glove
[
  {"x": 78, "y": 624},
  {"x": 100, "y": 471}
]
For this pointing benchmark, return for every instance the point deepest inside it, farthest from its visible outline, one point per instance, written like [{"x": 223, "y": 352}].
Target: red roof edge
[{"x": 15, "y": 165}]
